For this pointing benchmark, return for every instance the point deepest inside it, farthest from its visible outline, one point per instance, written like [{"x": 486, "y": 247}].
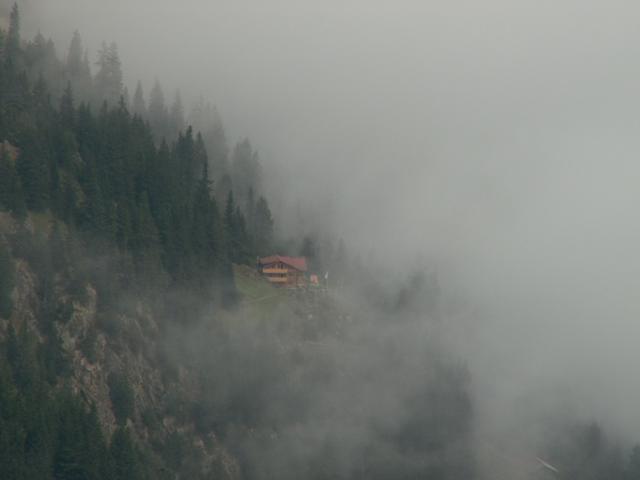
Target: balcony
[
  {"x": 275, "y": 271},
  {"x": 277, "y": 279}
]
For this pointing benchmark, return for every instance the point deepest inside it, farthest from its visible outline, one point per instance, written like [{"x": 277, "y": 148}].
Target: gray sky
[{"x": 499, "y": 138}]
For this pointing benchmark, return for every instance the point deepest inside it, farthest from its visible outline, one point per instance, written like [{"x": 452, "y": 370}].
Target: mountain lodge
[{"x": 285, "y": 271}]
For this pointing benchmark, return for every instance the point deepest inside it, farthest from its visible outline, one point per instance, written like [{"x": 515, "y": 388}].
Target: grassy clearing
[{"x": 256, "y": 292}]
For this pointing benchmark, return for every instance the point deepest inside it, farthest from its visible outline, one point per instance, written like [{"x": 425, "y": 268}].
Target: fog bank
[{"x": 496, "y": 139}]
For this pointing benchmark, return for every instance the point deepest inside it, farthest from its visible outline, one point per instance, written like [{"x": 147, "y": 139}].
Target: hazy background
[{"x": 497, "y": 139}]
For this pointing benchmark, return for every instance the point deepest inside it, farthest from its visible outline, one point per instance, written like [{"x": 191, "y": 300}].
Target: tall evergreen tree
[
  {"x": 2, "y": 46},
  {"x": 200, "y": 156},
  {"x": 235, "y": 231},
  {"x": 205, "y": 230},
  {"x": 123, "y": 227},
  {"x": 93, "y": 218},
  {"x": 6, "y": 281},
  {"x": 22, "y": 358},
  {"x": 263, "y": 227},
  {"x": 78, "y": 69},
  {"x": 147, "y": 242},
  {"x": 633, "y": 467},
  {"x": 11, "y": 195},
  {"x": 13, "y": 37},
  {"x": 70, "y": 445},
  {"x": 121, "y": 396},
  {"x": 205, "y": 118},
  {"x": 109, "y": 76},
  {"x": 230, "y": 226},
  {"x": 67, "y": 110},
  {"x": 138, "y": 106},
  {"x": 309, "y": 250},
  {"x": 246, "y": 171},
  {"x": 158, "y": 116},
  {"x": 32, "y": 166},
  {"x": 176, "y": 116},
  {"x": 7, "y": 174},
  {"x": 189, "y": 161},
  {"x": 243, "y": 248},
  {"x": 250, "y": 206},
  {"x": 124, "y": 455},
  {"x": 125, "y": 100},
  {"x": 74, "y": 57}
]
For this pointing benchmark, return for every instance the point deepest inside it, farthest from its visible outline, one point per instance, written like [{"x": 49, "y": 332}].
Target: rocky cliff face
[
  {"x": 291, "y": 384},
  {"x": 94, "y": 352}
]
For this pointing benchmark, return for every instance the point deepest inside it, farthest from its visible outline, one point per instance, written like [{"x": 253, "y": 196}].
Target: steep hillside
[
  {"x": 113, "y": 361},
  {"x": 138, "y": 342},
  {"x": 135, "y": 370},
  {"x": 240, "y": 393}
]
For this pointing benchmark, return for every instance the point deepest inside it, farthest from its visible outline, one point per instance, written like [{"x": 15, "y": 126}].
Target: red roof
[{"x": 299, "y": 263}]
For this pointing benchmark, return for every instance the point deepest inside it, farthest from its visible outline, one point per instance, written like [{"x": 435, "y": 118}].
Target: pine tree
[
  {"x": 70, "y": 444},
  {"x": 223, "y": 187},
  {"x": 74, "y": 57},
  {"x": 11, "y": 441},
  {"x": 123, "y": 453},
  {"x": 33, "y": 168},
  {"x": 6, "y": 281},
  {"x": 109, "y": 76},
  {"x": 246, "y": 170},
  {"x": 19, "y": 206},
  {"x": 235, "y": 232},
  {"x": 13, "y": 36},
  {"x": 41, "y": 97},
  {"x": 139, "y": 107},
  {"x": 96, "y": 460},
  {"x": 93, "y": 217},
  {"x": 82, "y": 81},
  {"x": 263, "y": 227},
  {"x": 67, "y": 110},
  {"x": 69, "y": 213},
  {"x": 125, "y": 101},
  {"x": 123, "y": 227},
  {"x": 200, "y": 156},
  {"x": 147, "y": 242},
  {"x": 633, "y": 468},
  {"x": 205, "y": 230},
  {"x": 243, "y": 247},
  {"x": 158, "y": 117},
  {"x": 2, "y": 46},
  {"x": 21, "y": 356},
  {"x": 217, "y": 145},
  {"x": 309, "y": 250},
  {"x": 11, "y": 195},
  {"x": 176, "y": 116},
  {"x": 205, "y": 118},
  {"x": 7, "y": 181},
  {"x": 55, "y": 358},
  {"x": 250, "y": 208},
  {"x": 190, "y": 162},
  {"x": 121, "y": 396},
  {"x": 230, "y": 226}
]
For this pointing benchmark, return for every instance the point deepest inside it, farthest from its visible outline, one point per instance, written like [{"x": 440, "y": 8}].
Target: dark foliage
[
  {"x": 6, "y": 281},
  {"x": 46, "y": 432},
  {"x": 107, "y": 173},
  {"x": 121, "y": 397}
]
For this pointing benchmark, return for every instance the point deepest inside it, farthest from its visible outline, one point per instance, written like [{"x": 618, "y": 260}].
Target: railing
[
  {"x": 268, "y": 271},
  {"x": 277, "y": 279}
]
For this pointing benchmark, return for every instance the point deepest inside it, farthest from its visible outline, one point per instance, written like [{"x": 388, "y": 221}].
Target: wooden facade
[{"x": 284, "y": 271}]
